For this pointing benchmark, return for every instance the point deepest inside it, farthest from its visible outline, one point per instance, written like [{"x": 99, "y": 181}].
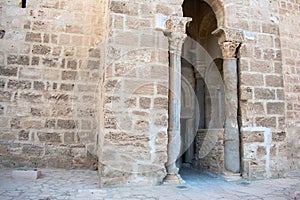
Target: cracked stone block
[{"x": 26, "y": 174}]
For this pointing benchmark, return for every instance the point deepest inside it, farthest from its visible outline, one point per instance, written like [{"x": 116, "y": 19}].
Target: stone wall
[
  {"x": 50, "y": 72},
  {"x": 135, "y": 105},
  {"x": 209, "y": 154},
  {"x": 262, "y": 100},
  {"x": 290, "y": 38},
  {"x": 88, "y": 80}
]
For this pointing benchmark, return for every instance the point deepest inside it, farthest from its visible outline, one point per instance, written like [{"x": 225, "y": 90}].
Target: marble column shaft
[
  {"x": 175, "y": 43},
  {"x": 232, "y": 143}
]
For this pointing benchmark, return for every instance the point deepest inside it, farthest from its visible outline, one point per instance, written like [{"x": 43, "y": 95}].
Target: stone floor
[{"x": 74, "y": 184}]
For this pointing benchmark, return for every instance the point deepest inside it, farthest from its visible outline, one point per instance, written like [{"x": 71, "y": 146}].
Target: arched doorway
[{"x": 202, "y": 115}]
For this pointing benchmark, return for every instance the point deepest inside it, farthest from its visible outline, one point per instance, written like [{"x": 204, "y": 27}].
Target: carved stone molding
[
  {"x": 229, "y": 49},
  {"x": 171, "y": 23},
  {"x": 229, "y": 34}
]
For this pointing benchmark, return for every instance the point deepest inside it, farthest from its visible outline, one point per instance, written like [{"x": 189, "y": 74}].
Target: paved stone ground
[{"x": 74, "y": 184}]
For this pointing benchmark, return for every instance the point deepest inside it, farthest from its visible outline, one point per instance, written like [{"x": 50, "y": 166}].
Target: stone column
[
  {"x": 174, "y": 29},
  {"x": 232, "y": 144},
  {"x": 174, "y": 145}
]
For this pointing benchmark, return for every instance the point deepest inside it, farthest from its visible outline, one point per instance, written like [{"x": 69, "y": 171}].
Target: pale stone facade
[{"x": 126, "y": 87}]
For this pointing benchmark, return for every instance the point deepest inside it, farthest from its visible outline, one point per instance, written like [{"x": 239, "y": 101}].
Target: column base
[
  {"x": 173, "y": 179},
  {"x": 230, "y": 176}
]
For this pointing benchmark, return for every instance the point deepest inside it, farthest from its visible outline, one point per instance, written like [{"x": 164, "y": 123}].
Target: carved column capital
[
  {"x": 176, "y": 40},
  {"x": 229, "y": 49},
  {"x": 173, "y": 27},
  {"x": 229, "y": 34}
]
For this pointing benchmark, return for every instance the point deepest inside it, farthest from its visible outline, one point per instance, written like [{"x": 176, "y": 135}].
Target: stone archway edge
[{"x": 173, "y": 28}]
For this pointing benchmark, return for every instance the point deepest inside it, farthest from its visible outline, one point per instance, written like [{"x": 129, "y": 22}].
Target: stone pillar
[
  {"x": 174, "y": 29},
  {"x": 232, "y": 144}
]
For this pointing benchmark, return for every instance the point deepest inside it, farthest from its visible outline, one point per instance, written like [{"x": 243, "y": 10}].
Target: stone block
[
  {"x": 41, "y": 49},
  {"x": 262, "y": 93},
  {"x": 256, "y": 108},
  {"x": 135, "y": 23},
  {"x": 35, "y": 60},
  {"x": 164, "y": 9},
  {"x": 124, "y": 7},
  {"x": 23, "y": 135},
  {"x": 64, "y": 39},
  {"x": 50, "y": 123},
  {"x": 246, "y": 93},
  {"x": 69, "y": 137},
  {"x": 11, "y": 71},
  {"x": 26, "y": 174},
  {"x": 38, "y": 85},
  {"x": 51, "y": 62},
  {"x": 142, "y": 125},
  {"x": 72, "y": 64},
  {"x": 32, "y": 123},
  {"x": 159, "y": 72},
  {"x": 162, "y": 89},
  {"x": 49, "y": 137},
  {"x": 147, "y": 9},
  {"x": 161, "y": 103},
  {"x": 5, "y": 96},
  {"x": 66, "y": 87},
  {"x": 66, "y": 124},
  {"x": 276, "y": 108},
  {"x": 145, "y": 102},
  {"x": 138, "y": 87},
  {"x": 110, "y": 123},
  {"x": 46, "y": 38},
  {"x": 252, "y": 80},
  {"x": 32, "y": 150},
  {"x": 253, "y": 136},
  {"x": 30, "y": 73},
  {"x": 274, "y": 81},
  {"x": 130, "y": 102},
  {"x": 41, "y": 26},
  {"x": 280, "y": 94},
  {"x": 69, "y": 75},
  {"x": 261, "y": 152},
  {"x": 17, "y": 60},
  {"x": 33, "y": 37},
  {"x": 269, "y": 122},
  {"x": 31, "y": 97},
  {"x": 261, "y": 66},
  {"x": 18, "y": 84},
  {"x": 279, "y": 136},
  {"x": 147, "y": 40},
  {"x": 112, "y": 85}
]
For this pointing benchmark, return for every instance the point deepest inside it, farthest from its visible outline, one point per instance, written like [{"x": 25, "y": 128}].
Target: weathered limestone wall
[
  {"x": 210, "y": 151},
  {"x": 263, "y": 138},
  {"x": 290, "y": 39},
  {"x": 135, "y": 105},
  {"x": 82, "y": 80},
  {"x": 50, "y": 72}
]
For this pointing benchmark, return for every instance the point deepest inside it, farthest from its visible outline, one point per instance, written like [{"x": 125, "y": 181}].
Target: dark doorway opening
[{"x": 202, "y": 93}]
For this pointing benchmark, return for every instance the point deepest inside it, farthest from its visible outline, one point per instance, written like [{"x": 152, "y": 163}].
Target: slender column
[
  {"x": 232, "y": 151},
  {"x": 175, "y": 43},
  {"x": 174, "y": 29}
]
